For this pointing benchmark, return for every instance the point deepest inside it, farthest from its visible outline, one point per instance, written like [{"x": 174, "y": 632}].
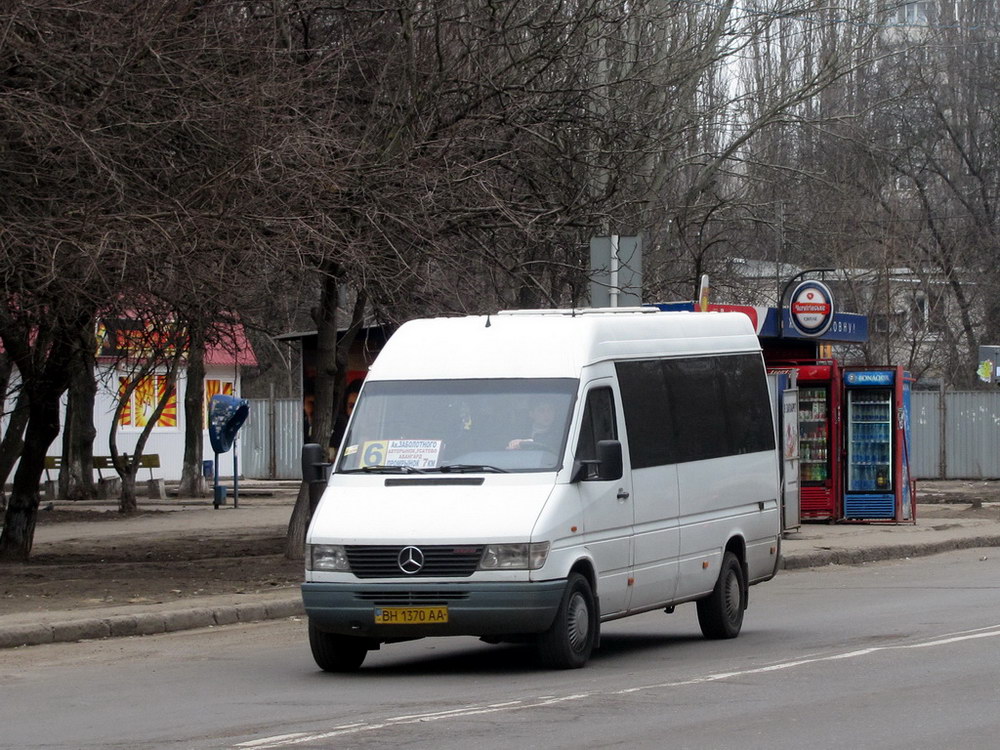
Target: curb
[
  {"x": 152, "y": 623},
  {"x": 147, "y": 623},
  {"x": 889, "y": 552}
]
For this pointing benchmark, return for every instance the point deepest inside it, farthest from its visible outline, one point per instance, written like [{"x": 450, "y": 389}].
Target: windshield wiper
[
  {"x": 382, "y": 469},
  {"x": 462, "y": 468}
]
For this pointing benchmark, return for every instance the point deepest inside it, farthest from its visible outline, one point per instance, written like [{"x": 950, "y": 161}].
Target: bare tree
[{"x": 76, "y": 476}]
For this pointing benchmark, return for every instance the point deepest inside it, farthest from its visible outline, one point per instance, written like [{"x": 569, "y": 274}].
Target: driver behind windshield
[{"x": 544, "y": 432}]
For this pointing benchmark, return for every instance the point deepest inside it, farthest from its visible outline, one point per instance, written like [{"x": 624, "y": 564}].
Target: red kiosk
[{"x": 820, "y": 427}]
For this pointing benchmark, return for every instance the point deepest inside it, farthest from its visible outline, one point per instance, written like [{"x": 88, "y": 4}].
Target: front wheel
[
  {"x": 336, "y": 653},
  {"x": 567, "y": 644},
  {"x": 720, "y": 614}
]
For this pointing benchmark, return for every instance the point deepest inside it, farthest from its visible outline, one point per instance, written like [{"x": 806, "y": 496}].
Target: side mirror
[
  {"x": 608, "y": 463},
  {"x": 314, "y": 473},
  {"x": 609, "y": 460},
  {"x": 313, "y": 463}
]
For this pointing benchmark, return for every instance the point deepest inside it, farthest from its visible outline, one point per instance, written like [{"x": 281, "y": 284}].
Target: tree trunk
[
  {"x": 6, "y": 369},
  {"x": 76, "y": 477},
  {"x": 344, "y": 345},
  {"x": 298, "y": 524},
  {"x": 325, "y": 317},
  {"x": 192, "y": 479},
  {"x": 18, "y": 532},
  {"x": 321, "y": 426},
  {"x": 13, "y": 438},
  {"x": 127, "y": 501}
]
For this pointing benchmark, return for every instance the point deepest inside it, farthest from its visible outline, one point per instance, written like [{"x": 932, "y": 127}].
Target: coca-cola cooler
[
  {"x": 819, "y": 393},
  {"x": 877, "y": 484}
]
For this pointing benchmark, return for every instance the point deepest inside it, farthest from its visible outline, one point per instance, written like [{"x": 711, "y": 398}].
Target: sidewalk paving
[{"x": 944, "y": 523}]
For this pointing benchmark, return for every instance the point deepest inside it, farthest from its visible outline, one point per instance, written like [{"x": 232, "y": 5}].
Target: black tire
[
  {"x": 720, "y": 614},
  {"x": 336, "y": 653},
  {"x": 570, "y": 641}
]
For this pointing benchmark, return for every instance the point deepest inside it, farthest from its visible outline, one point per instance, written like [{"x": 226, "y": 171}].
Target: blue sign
[
  {"x": 869, "y": 377},
  {"x": 769, "y": 322}
]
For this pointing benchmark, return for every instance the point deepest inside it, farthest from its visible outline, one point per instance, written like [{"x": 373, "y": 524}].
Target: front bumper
[{"x": 480, "y": 609}]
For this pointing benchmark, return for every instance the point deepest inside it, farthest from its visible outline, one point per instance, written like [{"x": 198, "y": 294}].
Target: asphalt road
[{"x": 889, "y": 655}]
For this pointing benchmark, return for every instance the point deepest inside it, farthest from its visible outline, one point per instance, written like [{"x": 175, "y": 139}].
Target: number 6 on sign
[{"x": 373, "y": 453}]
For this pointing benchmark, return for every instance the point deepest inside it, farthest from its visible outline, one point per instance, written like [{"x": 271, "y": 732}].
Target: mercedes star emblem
[{"x": 410, "y": 560}]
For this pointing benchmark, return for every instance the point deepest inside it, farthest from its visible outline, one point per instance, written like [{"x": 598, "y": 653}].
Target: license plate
[{"x": 410, "y": 615}]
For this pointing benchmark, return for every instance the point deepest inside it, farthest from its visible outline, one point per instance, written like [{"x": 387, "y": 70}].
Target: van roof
[{"x": 554, "y": 343}]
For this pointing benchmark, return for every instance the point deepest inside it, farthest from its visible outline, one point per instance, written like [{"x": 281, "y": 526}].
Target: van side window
[
  {"x": 748, "y": 405},
  {"x": 598, "y": 423},
  {"x": 696, "y": 408},
  {"x": 647, "y": 413}
]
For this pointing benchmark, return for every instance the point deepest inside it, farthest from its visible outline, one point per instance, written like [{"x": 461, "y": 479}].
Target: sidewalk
[{"x": 947, "y": 520}]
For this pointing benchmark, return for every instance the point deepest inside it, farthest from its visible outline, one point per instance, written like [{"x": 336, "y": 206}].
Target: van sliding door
[{"x": 651, "y": 446}]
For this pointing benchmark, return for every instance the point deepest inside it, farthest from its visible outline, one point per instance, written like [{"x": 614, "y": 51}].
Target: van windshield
[{"x": 497, "y": 425}]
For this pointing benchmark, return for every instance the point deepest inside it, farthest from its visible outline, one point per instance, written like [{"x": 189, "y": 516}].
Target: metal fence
[
  {"x": 271, "y": 439},
  {"x": 955, "y": 435}
]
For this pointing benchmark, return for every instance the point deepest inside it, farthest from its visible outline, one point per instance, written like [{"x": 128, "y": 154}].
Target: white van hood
[{"x": 363, "y": 510}]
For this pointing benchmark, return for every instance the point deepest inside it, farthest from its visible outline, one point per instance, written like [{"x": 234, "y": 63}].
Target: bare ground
[
  {"x": 170, "y": 566},
  {"x": 162, "y": 567}
]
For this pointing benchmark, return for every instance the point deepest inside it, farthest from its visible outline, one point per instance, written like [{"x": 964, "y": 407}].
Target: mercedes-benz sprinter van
[{"x": 530, "y": 475}]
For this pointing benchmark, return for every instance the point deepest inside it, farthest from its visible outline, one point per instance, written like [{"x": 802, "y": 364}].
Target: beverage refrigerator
[
  {"x": 785, "y": 400},
  {"x": 819, "y": 388},
  {"x": 877, "y": 485}
]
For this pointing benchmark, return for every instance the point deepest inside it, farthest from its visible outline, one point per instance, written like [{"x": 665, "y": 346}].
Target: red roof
[
  {"x": 228, "y": 345},
  {"x": 231, "y": 348}
]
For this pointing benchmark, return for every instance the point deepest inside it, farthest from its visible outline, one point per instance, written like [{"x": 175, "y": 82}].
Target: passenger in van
[
  {"x": 340, "y": 422},
  {"x": 544, "y": 433}
]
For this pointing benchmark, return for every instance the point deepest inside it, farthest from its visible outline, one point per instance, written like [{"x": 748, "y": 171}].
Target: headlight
[
  {"x": 514, "y": 556},
  {"x": 326, "y": 557}
]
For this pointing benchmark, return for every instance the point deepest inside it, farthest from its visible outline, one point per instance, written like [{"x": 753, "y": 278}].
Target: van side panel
[
  {"x": 702, "y": 453},
  {"x": 655, "y": 504},
  {"x": 607, "y": 527},
  {"x": 723, "y": 498}
]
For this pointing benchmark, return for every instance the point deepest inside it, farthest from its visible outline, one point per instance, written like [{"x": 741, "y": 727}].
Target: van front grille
[
  {"x": 414, "y": 561},
  {"x": 410, "y": 598}
]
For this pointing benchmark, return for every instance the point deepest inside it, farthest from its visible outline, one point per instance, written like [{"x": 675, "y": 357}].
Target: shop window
[
  {"x": 215, "y": 387},
  {"x": 143, "y": 401}
]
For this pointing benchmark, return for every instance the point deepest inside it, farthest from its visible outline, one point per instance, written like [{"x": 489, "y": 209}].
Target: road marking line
[
  {"x": 287, "y": 740},
  {"x": 434, "y": 715},
  {"x": 269, "y": 740}
]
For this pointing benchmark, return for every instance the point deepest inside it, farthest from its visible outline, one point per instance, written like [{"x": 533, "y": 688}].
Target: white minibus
[{"x": 529, "y": 475}]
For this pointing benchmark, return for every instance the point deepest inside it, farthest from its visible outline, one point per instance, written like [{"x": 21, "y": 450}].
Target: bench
[
  {"x": 109, "y": 487},
  {"x": 155, "y": 488},
  {"x": 52, "y": 463}
]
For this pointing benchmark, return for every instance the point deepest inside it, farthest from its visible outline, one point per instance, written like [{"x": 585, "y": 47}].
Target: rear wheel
[
  {"x": 336, "y": 653},
  {"x": 720, "y": 614},
  {"x": 570, "y": 641}
]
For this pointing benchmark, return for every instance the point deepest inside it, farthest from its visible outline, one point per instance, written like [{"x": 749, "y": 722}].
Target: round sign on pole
[{"x": 811, "y": 308}]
